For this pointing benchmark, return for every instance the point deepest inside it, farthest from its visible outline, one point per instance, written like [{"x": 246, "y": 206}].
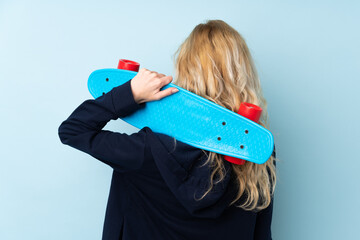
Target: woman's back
[{"x": 158, "y": 199}]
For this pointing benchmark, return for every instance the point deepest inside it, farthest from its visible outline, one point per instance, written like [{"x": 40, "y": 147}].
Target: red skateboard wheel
[
  {"x": 128, "y": 65},
  {"x": 252, "y": 112}
]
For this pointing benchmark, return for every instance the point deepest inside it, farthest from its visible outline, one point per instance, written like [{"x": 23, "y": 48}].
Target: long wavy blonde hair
[{"x": 214, "y": 62}]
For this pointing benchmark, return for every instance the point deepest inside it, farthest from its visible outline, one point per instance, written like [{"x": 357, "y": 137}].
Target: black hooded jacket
[{"x": 155, "y": 182}]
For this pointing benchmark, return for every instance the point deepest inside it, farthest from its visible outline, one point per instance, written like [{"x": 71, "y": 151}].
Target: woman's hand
[{"x": 146, "y": 86}]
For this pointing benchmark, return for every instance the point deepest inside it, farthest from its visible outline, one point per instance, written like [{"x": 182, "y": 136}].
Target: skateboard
[{"x": 192, "y": 119}]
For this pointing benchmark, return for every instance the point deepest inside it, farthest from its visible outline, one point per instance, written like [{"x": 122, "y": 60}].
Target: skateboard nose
[
  {"x": 128, "y": 65},
  {"x": 252, "y": 112}
]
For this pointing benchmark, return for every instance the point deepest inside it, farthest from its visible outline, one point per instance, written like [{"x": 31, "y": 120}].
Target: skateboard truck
[
  {"x": 248, "y": 110},
  {"x": 251, "y": 112}
]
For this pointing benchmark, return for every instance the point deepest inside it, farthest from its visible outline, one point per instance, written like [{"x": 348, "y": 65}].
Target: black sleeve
[
  {"x": 264, "y": 218},
  {"x": 83, "y": 129},
  {"x": 263, "y": 223}
]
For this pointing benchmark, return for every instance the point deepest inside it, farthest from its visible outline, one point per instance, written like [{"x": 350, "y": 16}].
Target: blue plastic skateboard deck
[{"x": 192, "y": 119}]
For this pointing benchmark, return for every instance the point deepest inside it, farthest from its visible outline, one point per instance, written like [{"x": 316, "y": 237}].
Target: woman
[{"x": 163, "y": 188}]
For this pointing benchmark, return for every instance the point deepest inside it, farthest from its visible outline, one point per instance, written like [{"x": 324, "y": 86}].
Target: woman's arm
[
  {"x": 83, "y": 129},
  {"x": 263, "y": 223},
  {"x": 264, "y": 218}
]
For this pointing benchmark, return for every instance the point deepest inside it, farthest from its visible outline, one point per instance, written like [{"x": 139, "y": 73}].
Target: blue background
[{"x": 307, "y": 54}]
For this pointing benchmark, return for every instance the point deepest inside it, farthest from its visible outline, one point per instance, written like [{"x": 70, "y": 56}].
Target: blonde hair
[{"x": 214, "y": 62}]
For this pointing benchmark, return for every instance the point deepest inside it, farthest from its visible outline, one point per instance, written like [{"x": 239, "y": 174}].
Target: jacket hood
[{"x": 180, "y": 167}]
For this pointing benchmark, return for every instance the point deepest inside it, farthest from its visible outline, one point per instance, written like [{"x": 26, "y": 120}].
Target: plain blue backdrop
[{"x": 307, "y": 55}]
